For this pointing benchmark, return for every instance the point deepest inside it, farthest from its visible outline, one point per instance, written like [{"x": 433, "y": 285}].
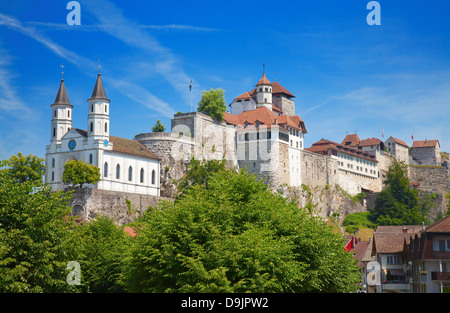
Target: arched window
[
  {"x": 92, "y": 127},
  {"x": 56, "y": 113},
  {"x": 153, "y": 177},
  {"x": 92, "y": 108},
  {"x": 142, "y": 176},
  {"x": 90, "y": 158},
  {"x": 53, "y": 176},
  {"x": 53, "y": 162},
  {"x": 106, "y": 127},
  {"x": 106, "y": 108},
  {"x": 130, "y": 173},
  {"x": 54, "y": 131},
  {"x": 117, "y": 171},
  {"x": 105, "y": 169}
]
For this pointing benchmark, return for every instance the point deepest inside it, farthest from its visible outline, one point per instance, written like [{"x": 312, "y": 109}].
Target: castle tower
[
  {"x": 264, "y": 92},
  {"x": 98, "y": 116},
  {"x": 61, "y": 115}
]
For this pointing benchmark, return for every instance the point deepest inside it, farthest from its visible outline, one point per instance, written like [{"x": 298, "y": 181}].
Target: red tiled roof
[
  {"x": 264, "y": 81},
  {"x": 276, "y": 109},
  {"x": 440, "y": 226},
  {"x": 369, "y": 142},
  {"x": 352, "y": 140},
  {"x": 400, "y": 142},
  {"x": 265, "y": 117},
  {"x": 391, "y": 239},
  {"x": 425, "y": 143},
  {"x": 277, "y": 88},
  {"x": 324, "y": 145},
  {"x": 245, "y": 95}
]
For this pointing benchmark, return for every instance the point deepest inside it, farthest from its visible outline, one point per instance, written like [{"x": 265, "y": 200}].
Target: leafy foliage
[
  {"x": 158, "y": 127},
  {"x": 79, "y": 173},
  {"x": 232, "y": 234},
  {"x": 34, "y": 223},
  {"x": 25, "y": 168},
  {"x": 212, "y": 103},
  {"x": 398, "y": 204}
]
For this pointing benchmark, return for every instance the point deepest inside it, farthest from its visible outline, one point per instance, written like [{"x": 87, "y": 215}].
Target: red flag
[{"x": 412, "y": 136}]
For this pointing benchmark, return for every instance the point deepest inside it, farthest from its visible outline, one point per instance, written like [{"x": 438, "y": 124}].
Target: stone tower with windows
[
  {"x": 98, "y": 116},
  {"x": 61, "y": 115}
]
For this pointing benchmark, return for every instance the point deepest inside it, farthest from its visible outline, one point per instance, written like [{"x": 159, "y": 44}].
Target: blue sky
[{"x": 347, "y": 76}]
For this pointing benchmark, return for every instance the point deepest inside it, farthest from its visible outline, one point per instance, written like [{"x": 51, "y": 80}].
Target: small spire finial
[
  {"x": 98, "y": 66},
  {"x": 275, "y": 75},
  {"x": 264, "y": 69},
  {"x": 62, "y": 71}
]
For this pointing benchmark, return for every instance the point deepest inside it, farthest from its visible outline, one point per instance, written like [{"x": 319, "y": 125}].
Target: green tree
[
  {"x": 101, "y": 247},
  {"x": 198, "y": 172},
  {"x": 25, "y": 168},
  {"x": 79, "y": 173},
  {"x": 34, "y": 227},
  {"x": 233, "y": 234},
  {"x": 397, "y": 203},
  {"x": 213, "y": 104},
  {"x": 158, "y": 127}
]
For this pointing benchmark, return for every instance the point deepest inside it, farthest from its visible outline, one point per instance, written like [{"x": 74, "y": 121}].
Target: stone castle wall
[
  {"x": 284, "y": 104},
  {"x": 426, "y": 155},
  {"x": 318, "y": 170},
  {"x": 89, "y": 203},
  {"x": 436, "y": 176}
]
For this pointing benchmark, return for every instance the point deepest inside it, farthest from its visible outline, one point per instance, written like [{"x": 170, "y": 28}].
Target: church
[{"x": 125, "y": 165}]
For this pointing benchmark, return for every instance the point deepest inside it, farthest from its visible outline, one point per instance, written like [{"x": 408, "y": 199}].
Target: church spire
[
  {"x": 99, "y": 91},
  {"x": 61, "y": 97}
]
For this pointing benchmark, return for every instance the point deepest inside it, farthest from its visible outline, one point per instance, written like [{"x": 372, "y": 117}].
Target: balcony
[{"x": 440, "y": 276}]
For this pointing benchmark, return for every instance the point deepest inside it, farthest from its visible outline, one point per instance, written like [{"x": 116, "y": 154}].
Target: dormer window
[{"x": 266, "y": 89}]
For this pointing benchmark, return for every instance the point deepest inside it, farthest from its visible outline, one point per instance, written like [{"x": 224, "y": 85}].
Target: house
[
  {"x": 426, "y": 152},
  {"x": 398, "y": 148},
  {"x": 428, "y": 255},
  {"x": 388, "y": 251}
]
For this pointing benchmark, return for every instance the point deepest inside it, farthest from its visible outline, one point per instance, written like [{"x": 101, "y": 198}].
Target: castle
[{"x": 261, "y": 133}]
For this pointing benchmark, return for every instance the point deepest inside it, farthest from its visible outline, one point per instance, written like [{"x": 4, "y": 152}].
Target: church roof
[
  {"x": 99, "y": 90},
  {"x": 61, "y": 97},
  {"x": 127, "y": 146}
]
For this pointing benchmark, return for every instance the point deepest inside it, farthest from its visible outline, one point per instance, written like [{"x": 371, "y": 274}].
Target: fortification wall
[
  {"x": 436, "y": 176},
  {"x": 89, "y": 203},
  {"x": 318, "y": 170}
]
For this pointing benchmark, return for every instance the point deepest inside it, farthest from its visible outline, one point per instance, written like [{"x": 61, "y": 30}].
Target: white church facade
[{"x": 125, "y": 165}]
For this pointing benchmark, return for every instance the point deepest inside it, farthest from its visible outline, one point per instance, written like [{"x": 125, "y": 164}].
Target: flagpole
[{"x": 190, "y": 91}]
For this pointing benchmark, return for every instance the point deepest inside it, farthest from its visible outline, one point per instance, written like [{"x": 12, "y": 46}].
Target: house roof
[
  {"x": 245, "y": 95},
  {"x": 266, "y": 117},
  {"x": 324, "y": 145},
  {"x": 370, "y": 142},
  {"x": 278, "y": 89},
  {"x": 425, "y": 143},
  {"x": 390, "y": 239},
  {"x": 359, "y": 251},
  {"x": 351, "y": 140},
  {"x": 126, "y": 146},
  {"x": 61, "y": 96},
  {"x": 440, "y": 226},
  {"x": 400, "y": 142}
]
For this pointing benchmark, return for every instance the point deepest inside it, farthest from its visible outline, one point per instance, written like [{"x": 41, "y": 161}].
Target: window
[
  {"x": 105, "y": 170},
  {"x": 266, "y": 89},
  {"x": 106, "y": 108},
  {"x": 153, "y": 177},
  {"x": 441, "y": 245},
  {"x": 393, "y": 259},
  {"x": 54, "y": 131},
  {"x": 130, "y": 173},
  {"x": 53, "y": 162},
  {"x": 68, "y": 113},
  {"x": 92, "y": 108},
  {"x": 117, "y": 171},
  {"x": 142, "y": 175},
  {"x": 56, "y": 113},
  {"x": 53, "y": 176},
  {"x": 92, "y": 127},
  {"x": 106, "y": 127},
  {"x": 90, "y": 158}
]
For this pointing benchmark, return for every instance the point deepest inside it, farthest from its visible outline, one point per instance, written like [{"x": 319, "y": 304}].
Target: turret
[
  {"x": 61, "y": 115},
  {"x": 264, "y": 92},
  {"x": 98, "y": 116}
]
